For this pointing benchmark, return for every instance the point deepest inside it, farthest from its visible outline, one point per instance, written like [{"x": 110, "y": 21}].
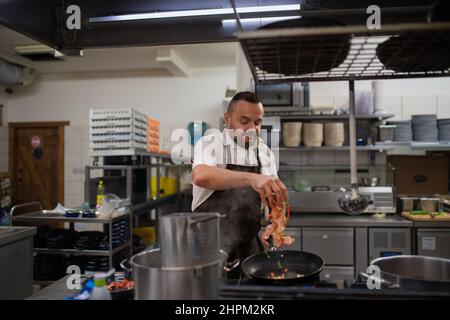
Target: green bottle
[{"x": 100, "y": 193}]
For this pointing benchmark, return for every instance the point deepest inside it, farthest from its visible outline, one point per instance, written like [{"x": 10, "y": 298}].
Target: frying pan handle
[
  {"x": 384, "y": 282},
  {"x": 232, "y": 265}
]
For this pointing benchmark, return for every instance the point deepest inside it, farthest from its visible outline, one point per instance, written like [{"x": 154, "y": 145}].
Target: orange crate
[
  {"x": 153, "y": 148},
  {"x": 153, "y": 124},
  {"x": 153, "y": 133}
]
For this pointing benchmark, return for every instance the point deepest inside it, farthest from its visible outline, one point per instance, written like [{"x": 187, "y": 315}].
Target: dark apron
[{"x": 242, "y": 209}]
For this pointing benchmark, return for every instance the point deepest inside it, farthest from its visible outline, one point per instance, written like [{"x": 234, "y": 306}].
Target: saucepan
[
  {"x": 408, "y": 272},
  {"x": 282, "y": 266}
]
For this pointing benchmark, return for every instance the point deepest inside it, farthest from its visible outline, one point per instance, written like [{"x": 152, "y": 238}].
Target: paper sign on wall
[{"x": 36, "y": 142}]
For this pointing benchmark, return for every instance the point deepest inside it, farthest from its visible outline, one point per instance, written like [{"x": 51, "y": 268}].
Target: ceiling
[
  {"x": 119, "y": 59},
  {"x": 44, "y": 19}
]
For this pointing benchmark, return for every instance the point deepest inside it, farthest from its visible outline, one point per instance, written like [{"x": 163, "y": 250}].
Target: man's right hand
[{"x": 271, "y": 190}]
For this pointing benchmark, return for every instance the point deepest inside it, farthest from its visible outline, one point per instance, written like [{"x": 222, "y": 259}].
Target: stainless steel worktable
[
  {"x": 56, "y": 291},
  {"x": 344, "y": 220}
]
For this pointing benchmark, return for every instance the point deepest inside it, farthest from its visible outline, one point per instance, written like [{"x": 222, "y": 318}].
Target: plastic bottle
[
  {"x": 100, "y": 291},
  {"x": 100, "y": 193}
]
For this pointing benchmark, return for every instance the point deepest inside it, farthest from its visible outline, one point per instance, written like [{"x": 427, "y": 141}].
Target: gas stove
[{"x": 318, "y": 290}]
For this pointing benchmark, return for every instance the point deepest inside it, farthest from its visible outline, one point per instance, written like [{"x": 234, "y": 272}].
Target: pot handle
[
  {"x": 125, "y": 265},
  {"x": 232, "y": 265},
  {"x": 384, "y": 282},
  {"x": 194, "y": 220}
]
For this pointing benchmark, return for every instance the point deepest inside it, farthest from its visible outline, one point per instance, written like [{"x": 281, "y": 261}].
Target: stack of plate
[
  {"x": 402, "y": 130},
  {"x": 425, "y": 127},
  {"x": 444, "y": 129}
]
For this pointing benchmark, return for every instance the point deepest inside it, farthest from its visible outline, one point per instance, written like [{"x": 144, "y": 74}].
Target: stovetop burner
[{"x": 343, "y": 290}]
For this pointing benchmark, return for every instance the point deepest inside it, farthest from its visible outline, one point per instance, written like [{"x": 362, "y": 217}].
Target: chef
[{"x": 233, "y": 173}]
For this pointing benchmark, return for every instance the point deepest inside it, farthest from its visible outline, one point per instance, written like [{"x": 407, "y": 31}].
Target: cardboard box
[{"x": 420, "y": 175}]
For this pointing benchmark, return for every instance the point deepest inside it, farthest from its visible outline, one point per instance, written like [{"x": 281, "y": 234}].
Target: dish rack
[{"x": 115, "y": 132}]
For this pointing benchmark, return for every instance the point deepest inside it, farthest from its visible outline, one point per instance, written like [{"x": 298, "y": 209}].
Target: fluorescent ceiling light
[
  {"x": 261, "y": 20},
  {"x": 195, "y": 13}
]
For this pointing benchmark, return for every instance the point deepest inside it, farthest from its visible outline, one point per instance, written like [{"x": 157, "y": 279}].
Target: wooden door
[{"x": 36, "y": 162}]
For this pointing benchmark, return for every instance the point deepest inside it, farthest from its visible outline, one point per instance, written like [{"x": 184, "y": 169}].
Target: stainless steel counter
[
  {"x": 344, "y": 220},
  {"x": 12, "y": 234},
  {"x": 16, "y": 262},
  {"x": 56, "y": 291}
]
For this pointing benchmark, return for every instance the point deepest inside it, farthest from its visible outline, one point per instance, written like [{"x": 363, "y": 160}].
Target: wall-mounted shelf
[
  {"x": 415, "y": 145},
  {"x": 343, "y": 117},
  {"x": 343, "y": 148}
]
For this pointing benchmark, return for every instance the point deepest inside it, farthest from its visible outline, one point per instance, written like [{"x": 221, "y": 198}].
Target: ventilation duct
[{"x": 12, "y": 74}]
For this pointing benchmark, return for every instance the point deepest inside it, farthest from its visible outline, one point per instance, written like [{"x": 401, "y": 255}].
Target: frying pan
[{"x": 303, "y": 267}]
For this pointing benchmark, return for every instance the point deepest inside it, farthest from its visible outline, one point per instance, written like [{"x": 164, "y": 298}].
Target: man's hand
[{"x": 271, "y": 190}]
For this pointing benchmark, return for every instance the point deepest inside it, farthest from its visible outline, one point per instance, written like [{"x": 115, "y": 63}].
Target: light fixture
[
  {"x": 41, "y": 52},
  {"x": 260, "y": 20},
  {"x": 194, "y": 13}
]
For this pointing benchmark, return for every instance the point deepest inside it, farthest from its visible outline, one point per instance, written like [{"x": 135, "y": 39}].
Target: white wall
[
  {"x": 401, "y": 97},
  {"x": 174, "y": 101}
]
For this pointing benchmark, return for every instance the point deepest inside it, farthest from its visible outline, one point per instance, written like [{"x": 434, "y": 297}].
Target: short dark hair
[{"x": 243, "y": 95}]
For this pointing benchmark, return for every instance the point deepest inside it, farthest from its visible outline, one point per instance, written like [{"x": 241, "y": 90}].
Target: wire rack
[{"x": 348, "y": 52}]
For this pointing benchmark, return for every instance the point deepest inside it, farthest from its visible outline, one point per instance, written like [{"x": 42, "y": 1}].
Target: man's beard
[{"x": 240, "y": 140}]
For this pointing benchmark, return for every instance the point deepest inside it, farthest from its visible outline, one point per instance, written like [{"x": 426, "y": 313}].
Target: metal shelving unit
[
  {"x": 45, "y": 216},
  {"x": 343, "y": 117},
  {"x": 415, "y": 145},
  {"x": 79, "y": 252},
  {"x": 343, "y": 148},
  {"x": 149, "y": 162},
  {"x": 351, "y": 53},
  {"x": 270, "y": 49}
]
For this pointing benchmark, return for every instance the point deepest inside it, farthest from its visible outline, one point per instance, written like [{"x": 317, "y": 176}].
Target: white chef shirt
[{"x": 212, "y": 150}]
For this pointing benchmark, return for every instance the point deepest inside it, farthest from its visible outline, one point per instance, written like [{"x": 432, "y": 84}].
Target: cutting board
[{"x": 426, "y": 217}]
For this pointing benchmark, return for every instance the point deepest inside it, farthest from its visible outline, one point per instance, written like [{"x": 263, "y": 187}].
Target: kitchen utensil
[
  {"x": 313, "y": 134},
  {"x": 409, "y": 203},
  {"x": 377, "y": 89},
  {"x": 196, "y": 130},
  {"x": 370, "y": 182},
  {"x": 364, "y": 103},
  {"x": 292, "y": 134},
  {"x": 315, "y": 58},
  {"x": 353, "y": 202},
  {"x": 387, "y": 132},
  {"x": 429, "y": 204},
  {"x": 324, "y": 110},
  {"x": 302, "y": 185},
  {"x": 302, "y": 267},
  {"x": 154, "y": 282},
  {"x": 189, "y": 239},
  {"x": 413, "y": 272},
  {"x": 334, "y": 134}
]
